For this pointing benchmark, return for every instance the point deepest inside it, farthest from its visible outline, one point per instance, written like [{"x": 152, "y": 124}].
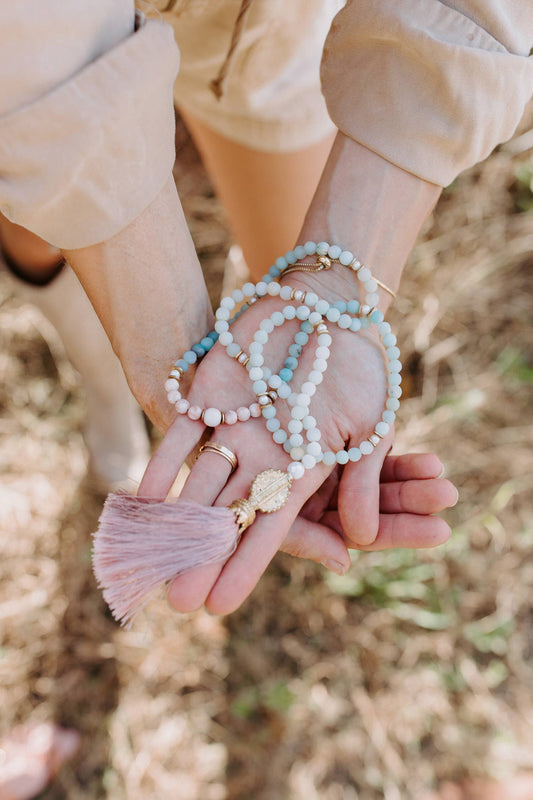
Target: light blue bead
[
  {"x": 281, "y": 263},
  {"x": 207, "y": 343},
  {"x": 233, "y": 349},
  {"x": 301, "y": 338},
  {"x": 306, "y": 327},
  {"x": 290, "y": 257},
  {"x": 259, "y": 387},
  {"x": 279, "y": 436},
  {"x": 395, "y": 378},
  {"x": 182, "y": 364},
  {"x": 291, "y": 363},
  {"x": 322, "y": 248},
  {"x": 341, "y": 305},
  {"x": 311, "y": 299},
  {"x": 333, "y": 314},
  {"x": 354, "y": 454},
  {"x": 309, "y": 422},
  {"x": 190, "y": 357},
  {"x": 296, "y": 439},
  {"x": 384, "y": 328},
  {"x": 329, "y": 458},
  {"x": 393, "y": 404},
  {"x": 393, "y": 352},
  {"x": 322, "y": 307},
  {"x": 261, "y": 337},
  {"x": 299, "y": 252},
  {"x": 310, "y": 248},
  {"x": 302, "y": 312},
  {"x": 266, "y": 278},
  {"x": 214, "y": 336},
  {"x": 295, "y": 350},
  {"x": 273, "y": 272},
  {"x": 365, "y": 322},
  {"x": 334, "y": 251},
  {"x": 255, "y": 347},
  {"x": 284, "y": 391},
  {"x": 261, "y": 288},
  {"x": 394, "y": 365},
  {"x": 273, "y": 424},
  {"x": 285, "y": 374},
  {"x": 256, "y": 360},
  {"x": 353, "y": 306},
  {"x": 269, "y": 412},
  {"x": 287, "y": 446},
  {"x": 289, "y": 312},
  {"x": 388, "y": 416},
  {"x": 199, "y": 350},
  {"x": 342, "y": 457},
  {"x": 382, "y": 428},
  {"x": 376, "y": 316},
  {"x": 346, "y": 257},
  {"x": 389, "y": 339},
  {"x": 344, "y": 321},
  {"x": 277, "y": 318},
  {"x": 266, "y": 325}
]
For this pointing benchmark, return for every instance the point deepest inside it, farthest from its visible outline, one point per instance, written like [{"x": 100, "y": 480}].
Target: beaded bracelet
[{"x": 313, "y": 313}]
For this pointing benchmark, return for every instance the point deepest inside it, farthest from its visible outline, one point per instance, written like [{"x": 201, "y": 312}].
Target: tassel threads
[{"x": 141, "y": 543}]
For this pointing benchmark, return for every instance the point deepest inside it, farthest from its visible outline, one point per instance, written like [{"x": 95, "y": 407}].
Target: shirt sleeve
[
  {"x": 87, "y": 119},
  {"x": 432, "y": 86}
]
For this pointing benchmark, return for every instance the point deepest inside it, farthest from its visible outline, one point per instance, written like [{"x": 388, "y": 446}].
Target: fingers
[
  {"x": 399, "y": 530},
  {"x": 259, "y": 543},
  {"x": 164, "y": 465},
  {"x": 318, "y": 543},
  {"x": 412, "y": 466},
  {"x": 427, "y": 496},
  {"x": 358, "y": 497}
]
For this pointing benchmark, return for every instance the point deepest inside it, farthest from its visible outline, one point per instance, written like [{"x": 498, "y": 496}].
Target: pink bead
[
  {"x": 243, "y": 413},
  {"x": 212, "y": 417},
  {"x": 171, "y": 385},
  {"x": 194, "y": 412},
  {"x": 230, "y": 417},
  {"x": 255, "y": 410},
  {"x": 182, "y": 406},
  {"x": 174, "y": 396}
]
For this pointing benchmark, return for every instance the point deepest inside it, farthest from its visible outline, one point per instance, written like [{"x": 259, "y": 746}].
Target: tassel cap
[{"x": 268, "y": 493}]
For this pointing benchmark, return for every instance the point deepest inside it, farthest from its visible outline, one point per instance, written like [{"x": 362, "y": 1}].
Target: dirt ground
[{"x": 413, "y": 668}]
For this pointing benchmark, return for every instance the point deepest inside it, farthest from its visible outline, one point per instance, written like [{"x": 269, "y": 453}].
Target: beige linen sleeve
[
  {"x": 86, "y": 116},
  {"x": 432, "y": 86}
]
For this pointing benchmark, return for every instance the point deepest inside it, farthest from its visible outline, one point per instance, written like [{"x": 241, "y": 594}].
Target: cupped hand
[{"x": 330, "y": 509}]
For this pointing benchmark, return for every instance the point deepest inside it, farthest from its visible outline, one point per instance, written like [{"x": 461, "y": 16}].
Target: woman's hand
[{"x": 347, "y": 405}]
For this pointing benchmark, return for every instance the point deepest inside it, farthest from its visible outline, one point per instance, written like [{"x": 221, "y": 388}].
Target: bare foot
[{"x": 31, "y": 756}]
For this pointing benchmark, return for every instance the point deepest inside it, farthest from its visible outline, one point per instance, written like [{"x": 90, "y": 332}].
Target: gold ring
[{"x": 225, "y": 452}]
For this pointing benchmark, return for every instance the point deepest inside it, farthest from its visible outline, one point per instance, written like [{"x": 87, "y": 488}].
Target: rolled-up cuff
[
  {"x": 79, "y": 164},
  {"x": 422, "y": 85}
]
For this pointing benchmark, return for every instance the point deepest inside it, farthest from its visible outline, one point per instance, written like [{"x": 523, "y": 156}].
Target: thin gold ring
[{"x": 221, "y": 450}]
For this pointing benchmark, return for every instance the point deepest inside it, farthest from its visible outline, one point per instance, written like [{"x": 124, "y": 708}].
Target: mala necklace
[{"x": 142, "y": 543}]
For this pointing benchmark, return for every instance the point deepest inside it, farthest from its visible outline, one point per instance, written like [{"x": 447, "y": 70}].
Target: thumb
[{"x": 358, "y": 500}]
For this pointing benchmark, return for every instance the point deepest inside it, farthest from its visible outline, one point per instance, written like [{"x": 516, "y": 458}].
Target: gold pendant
[{"x": 268, "y": 493}]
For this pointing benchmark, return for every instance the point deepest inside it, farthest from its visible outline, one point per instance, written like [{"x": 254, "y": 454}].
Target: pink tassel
[{"x": 142, "y": 543}]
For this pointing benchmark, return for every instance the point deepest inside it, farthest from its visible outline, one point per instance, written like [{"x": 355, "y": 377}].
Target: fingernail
[
  {"x": 335, "y": 566},
  {"x": 457, "y": 498},
  {"x": 443, "y": 470}
]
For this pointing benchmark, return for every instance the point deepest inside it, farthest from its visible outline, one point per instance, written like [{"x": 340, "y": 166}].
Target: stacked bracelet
[{"x": 314, "y": 314}]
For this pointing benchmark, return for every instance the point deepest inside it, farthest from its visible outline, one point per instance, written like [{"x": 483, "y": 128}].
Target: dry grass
[{"x": 416, "y": 666}]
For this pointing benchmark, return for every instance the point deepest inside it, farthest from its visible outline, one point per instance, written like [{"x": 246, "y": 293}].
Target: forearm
[
  {"x": 147, "y": 287},
  {"x": 373, "y": 208}
]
